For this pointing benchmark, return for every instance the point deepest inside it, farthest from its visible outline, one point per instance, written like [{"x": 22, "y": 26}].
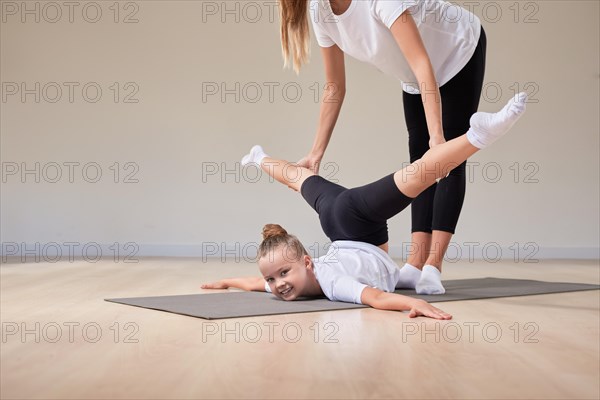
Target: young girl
[{"x": 357, "y": 267}]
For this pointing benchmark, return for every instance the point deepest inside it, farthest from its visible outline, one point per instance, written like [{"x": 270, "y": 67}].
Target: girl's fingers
[
  {"x": 442, "y": 313},
  {"x": 209, "y": 286},
  {"x": 438, "y": 314}
]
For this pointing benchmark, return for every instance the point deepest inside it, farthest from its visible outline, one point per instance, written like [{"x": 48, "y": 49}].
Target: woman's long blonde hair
[{"x": 295, "y": 36}]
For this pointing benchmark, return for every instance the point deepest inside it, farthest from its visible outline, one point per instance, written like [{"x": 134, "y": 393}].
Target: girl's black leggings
[
  {"x": 358, "y": 214},
  {"x": 438, "y": 207}
]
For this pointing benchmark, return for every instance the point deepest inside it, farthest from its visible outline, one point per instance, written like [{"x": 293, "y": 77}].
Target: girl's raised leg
[{"x": 282, "y": 171}]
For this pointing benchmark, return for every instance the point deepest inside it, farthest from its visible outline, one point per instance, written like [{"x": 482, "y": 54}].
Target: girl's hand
[
  {"x": 435, "y": 140},
  {"x": 215, "y": 285},
  {"x": 421, "y": 307},
  {"x": 311, "y": 161}
]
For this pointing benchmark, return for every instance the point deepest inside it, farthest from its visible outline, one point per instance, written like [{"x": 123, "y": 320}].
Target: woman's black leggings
[
  {"x": 358, "y": 214},
  {"x": 438, "y": 207}
]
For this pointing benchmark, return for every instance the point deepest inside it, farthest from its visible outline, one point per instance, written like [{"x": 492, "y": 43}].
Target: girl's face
[{"x": 285, "y": 272}]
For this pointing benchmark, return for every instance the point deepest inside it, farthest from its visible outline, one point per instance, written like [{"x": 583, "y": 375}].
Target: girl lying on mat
[{"x": 357, "y": 268}]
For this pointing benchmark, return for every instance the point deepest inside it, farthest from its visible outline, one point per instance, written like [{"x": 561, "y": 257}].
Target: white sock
[
  {"x": 409, "y": 276},
  {"x": 486, "y": 128},
  {"x": 255, "y": 156},
  {"x": 430, "y": 282}
]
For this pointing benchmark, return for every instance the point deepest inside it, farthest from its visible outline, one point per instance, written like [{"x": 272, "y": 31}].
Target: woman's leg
[
  {"x": 436, "y": 211},
  {"x": 460, "y": 100},
  {"x": 422, "y": 206}
]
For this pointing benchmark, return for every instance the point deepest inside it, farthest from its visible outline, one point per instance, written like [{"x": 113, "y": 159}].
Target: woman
[
  {"x": 357, "y": 268},
  {"x": 437, "y": 50}
]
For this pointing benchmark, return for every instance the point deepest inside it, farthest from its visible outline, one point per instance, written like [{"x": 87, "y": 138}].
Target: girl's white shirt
[{"x": 349, "y": 267}]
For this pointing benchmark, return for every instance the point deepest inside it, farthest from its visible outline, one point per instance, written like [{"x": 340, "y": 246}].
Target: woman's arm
[
  {"x": 397, "y": 302},
  {"x": 252, "y": 283},
  {"x": 331, "y": 104},
  {"x": 409, "y": 40}
]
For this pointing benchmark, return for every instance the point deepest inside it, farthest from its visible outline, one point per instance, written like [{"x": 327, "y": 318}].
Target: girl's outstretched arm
[
  {"x": 252, "y": 283},
  {"x": 392, "y": 301}
]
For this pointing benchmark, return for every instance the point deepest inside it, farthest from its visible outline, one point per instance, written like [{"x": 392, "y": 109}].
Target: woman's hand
[
  {"x": 311, "y": 161},
  {"x": 435, "y": 140},
  {"x": 421, "y": 307},
  {"x": 215, "y": 285}
]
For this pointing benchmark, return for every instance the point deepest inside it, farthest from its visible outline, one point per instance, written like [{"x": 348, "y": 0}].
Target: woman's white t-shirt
[
  {"x": 349, "y": 267},
  {"x": 450, "y": 34}
]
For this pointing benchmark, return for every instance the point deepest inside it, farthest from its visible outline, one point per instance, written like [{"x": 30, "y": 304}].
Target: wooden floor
[{"x": 60, "y": 340}]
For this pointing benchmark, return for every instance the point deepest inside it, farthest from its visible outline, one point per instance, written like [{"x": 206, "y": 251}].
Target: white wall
[{"x": 174, "y": 138}]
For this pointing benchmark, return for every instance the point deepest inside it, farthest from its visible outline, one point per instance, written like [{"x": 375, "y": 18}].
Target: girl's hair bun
[
  {"x": 274, "y": 236},
  {"x": 271, "y": 230}
]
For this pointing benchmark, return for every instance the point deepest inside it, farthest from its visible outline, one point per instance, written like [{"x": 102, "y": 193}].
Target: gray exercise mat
[{"x": 247, "y": 304}]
